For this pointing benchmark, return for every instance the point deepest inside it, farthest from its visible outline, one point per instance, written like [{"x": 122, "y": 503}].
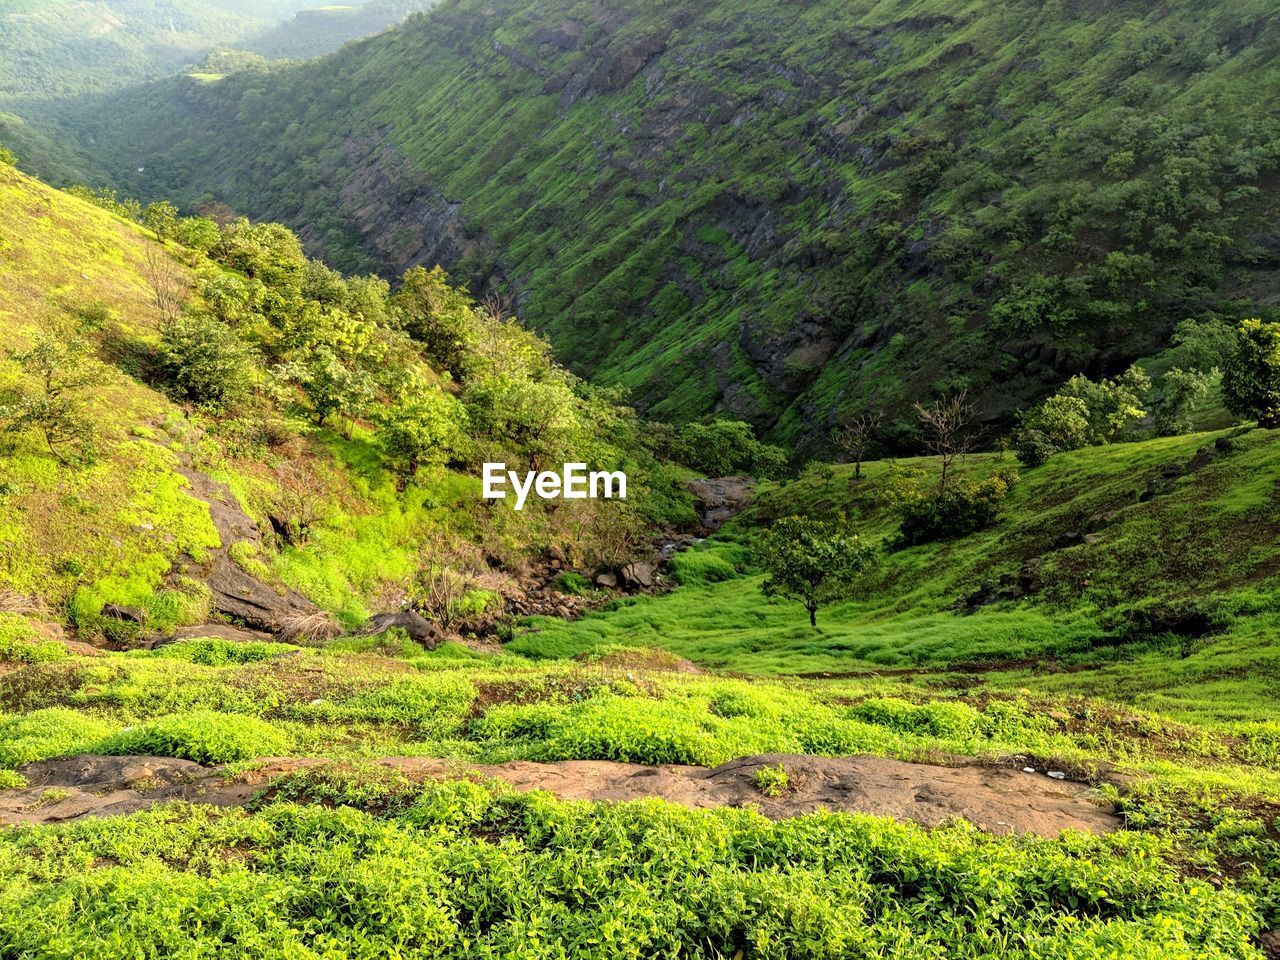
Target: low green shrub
[
  {"x": 52, "y": 732},
  {"x": 20, "y": 643},
  {"x": 573, "y": 583},
  {"x": 936, "y": 719},
  {"x": 432, "y": 705},
  {"x": 200, "y": 735},
  {"x": 964, "y": 508},
  {"x": 216, "y": 652},
  {"x": 461, "y": 869},
  {"x": 771, "y": 781}
]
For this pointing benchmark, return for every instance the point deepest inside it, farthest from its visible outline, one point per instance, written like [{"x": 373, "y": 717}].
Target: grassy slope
[
  {"x": 116, "y": 531},
  {"x": 1201, "y": 807},
  {"x": 1207, "y": 541},
  {"x": 116, "y": 527},
  {"x": 53, "y": 51},
  {"x": 882, "y": 173}
]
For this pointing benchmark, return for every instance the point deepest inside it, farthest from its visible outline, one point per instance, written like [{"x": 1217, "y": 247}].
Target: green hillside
[
  {"x": 323, "y": 29},
  {"x": 220, "y": 458},
  {"x": 790, "y": 214},
  {"x": 283, "y": 391},
  {"x": 56, "y": 52}
]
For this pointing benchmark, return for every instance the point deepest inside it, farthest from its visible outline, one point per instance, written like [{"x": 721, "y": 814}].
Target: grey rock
[
  {"x": 418, "y": 627},
  {"x": 115, "y": 611},
  {"x": 638, "y": 574}
]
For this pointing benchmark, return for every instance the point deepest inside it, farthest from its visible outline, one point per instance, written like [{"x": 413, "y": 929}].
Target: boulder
[
  {"x": 606, "y": 579},
  {"x": 638, "y": 574},
  {"x": 124, "y": 614},
  {"x": 242, "y": 597},
  {"x": 418, "y": 627}
]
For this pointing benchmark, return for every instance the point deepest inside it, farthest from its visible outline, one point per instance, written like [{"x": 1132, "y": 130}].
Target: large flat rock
[{"x": 999, "y": 800}]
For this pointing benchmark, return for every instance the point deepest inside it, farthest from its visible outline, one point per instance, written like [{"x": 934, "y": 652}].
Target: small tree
[
  {"x": 205, "y": 361},
  {"x": 1181, "y": 391},
  {"x": 58, "y": 365},
  {"x": 301, "y": 501},
  {"x": 811, "y": 562},
  {"x": 1060, "y": 423},
  {"x": 855, "y": 436},
  {"x": 1113, "y": 405},
  {"x": 335, "y": 389},
  {"x": 1251, "y": 380},
  {"x": 161, "y": 218},
  {"x": 169, "y": 287},
  {"x": 948, "y": 433},
  {"x": 428, "y": 428}
]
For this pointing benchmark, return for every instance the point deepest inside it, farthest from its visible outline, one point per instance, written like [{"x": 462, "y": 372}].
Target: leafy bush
[
  {"x": 963, "y": 509},
  {"x": 205, "y": 361},
  {"x": 216, "y": 652},
  {"x": 572, "y": 583},
  {"x": 1251, "y": 380},
  {"x": 200, "y": 735},
  {"x": 1082, "y": 413},
  {"x": 725, "y": 447},
  {"x": 430, "y": 428},
  {"x": 771, "y": 781},
  {"x": 1180, "y": 393},
  {"x": 938, "y": 719}
]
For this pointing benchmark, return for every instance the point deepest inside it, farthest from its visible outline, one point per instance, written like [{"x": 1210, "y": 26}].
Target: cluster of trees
[
  {"x": 438, "y": 378},
  {"x": 720, "y": 448},
  {"x": 1082, "y": 413}
]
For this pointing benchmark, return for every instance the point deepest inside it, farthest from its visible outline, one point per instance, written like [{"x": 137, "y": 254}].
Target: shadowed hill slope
[{"x": 790, "y": 213}]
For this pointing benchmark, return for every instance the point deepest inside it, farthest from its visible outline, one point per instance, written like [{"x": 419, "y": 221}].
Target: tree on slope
[
  {"x": 811, "y": 562},
  {"x": 1251, "y": 380},
  {"x": 854, "y": 438},
  {"x": 948, "y": 433}
]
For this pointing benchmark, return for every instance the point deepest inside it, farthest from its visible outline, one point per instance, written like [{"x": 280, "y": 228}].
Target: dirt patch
[
  {"x": 998, "y": 800},
  {"x": 639, "y": 658}
]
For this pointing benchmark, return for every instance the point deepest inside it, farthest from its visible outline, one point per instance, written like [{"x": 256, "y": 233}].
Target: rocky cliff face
[{"x": 789, "y": 213}]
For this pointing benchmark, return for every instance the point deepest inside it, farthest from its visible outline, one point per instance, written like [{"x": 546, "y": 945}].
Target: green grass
[
  {"x": 463, "y": 869},
  {"x": 1202, "y": 545}
]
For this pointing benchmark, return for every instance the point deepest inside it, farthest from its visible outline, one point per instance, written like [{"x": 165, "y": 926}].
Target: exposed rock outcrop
[
  {"x": 235, "y": 593},
  {"x": 999, "y": 800}
]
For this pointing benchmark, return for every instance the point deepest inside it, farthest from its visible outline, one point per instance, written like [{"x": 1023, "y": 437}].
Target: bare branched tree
[
  {"x": 169, "y": 287},
  {"x": 948, "y": 430},
  {"x": 302, "y": 500},
  {"x": 497, "y": 305},
  {"x": 447, "y": 573},
  {"x": 855, "y": 436}
]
